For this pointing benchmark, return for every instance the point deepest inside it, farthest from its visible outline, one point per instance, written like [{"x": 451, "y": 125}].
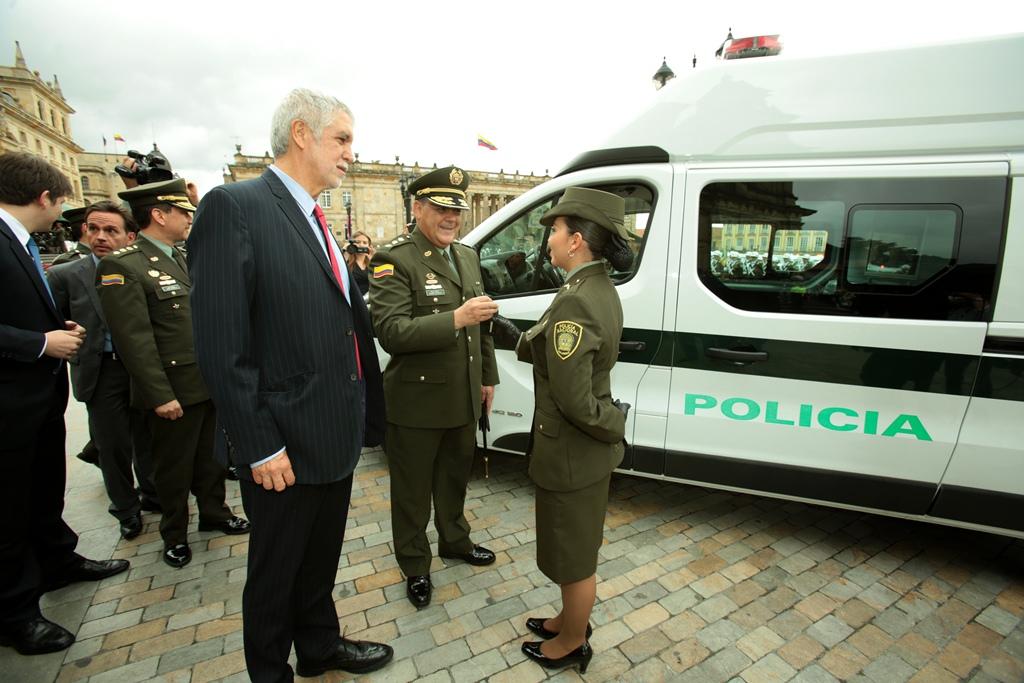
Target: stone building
[
  {"x": 35, "y": 118},
  {"x": 371, "y": 195},
  {"x": 98, "y": 178}
]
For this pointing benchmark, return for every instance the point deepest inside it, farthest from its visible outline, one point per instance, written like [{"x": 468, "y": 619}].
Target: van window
[
  {"x": 920, "y": 249},
  {"x": 514, "y": 260}
]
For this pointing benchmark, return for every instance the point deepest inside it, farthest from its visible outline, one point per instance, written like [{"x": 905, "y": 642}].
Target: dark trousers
[
  {"x": 36, "y": 545},
  {"x": 121, "y": 438},
  {"x": 294, "y": 547},
  {"x": 425, "y": 464},
  {"x": 183, "y": 461}
]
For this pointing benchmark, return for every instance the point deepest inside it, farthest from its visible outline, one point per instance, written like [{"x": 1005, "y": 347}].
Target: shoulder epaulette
[
  {"x": 131, "y": 248},
  {"x": 398, "y": 241}
]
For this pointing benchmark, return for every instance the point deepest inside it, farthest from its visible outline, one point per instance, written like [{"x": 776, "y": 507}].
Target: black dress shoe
[
  {"x": 36, "y": 637},
  {"x": 478, "y": 556},
  {"x": 131, "y": 527},
  {"x": 231, "y": 474},
  {"x": 90, "y": 454},
  {"x": 231, "y": 526},
  {"x": 150, "y": 505},
  {"x": 579, "y": 657},
  {"x": 536, "y": 624},
  {"x": 418, "y": 589},
  {"x": 353, "y": 656},
  {"x": 86, "y": 570},
  {"x": 178, "y": 555}
]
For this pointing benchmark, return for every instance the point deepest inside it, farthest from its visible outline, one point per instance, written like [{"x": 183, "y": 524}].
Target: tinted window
[
  {"x": 920, "y": 249},
  {"x": 514, "y": 260}
]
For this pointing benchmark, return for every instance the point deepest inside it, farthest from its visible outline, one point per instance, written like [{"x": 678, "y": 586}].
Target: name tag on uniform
[
  {"x": 172, "y": 287},
  {"x": 434, "y": 290}
]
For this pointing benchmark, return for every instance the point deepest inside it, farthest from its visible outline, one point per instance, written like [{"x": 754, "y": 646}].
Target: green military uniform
[
  {"x": 577, "y": 430},
  {"x": 144, "y": 294},
  {"x": 73, "y": 217},
  {"x": 433, "y": 379}
]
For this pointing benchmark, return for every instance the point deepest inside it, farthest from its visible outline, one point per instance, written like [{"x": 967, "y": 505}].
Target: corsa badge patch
[
  {"x": 107, "y": 280},
  {"x": 567, "y": 338}
]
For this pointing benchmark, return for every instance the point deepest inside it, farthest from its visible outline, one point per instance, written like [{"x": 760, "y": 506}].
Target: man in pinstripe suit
[{"x": 284, "y": 343}]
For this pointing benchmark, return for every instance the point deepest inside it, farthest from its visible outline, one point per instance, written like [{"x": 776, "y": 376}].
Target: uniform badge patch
[
  {"x": 383, "y": 270},
  {"x": 566, "y": 338},
  {"x": 455, "y": 177},
  {"x": 106, "y": 280}
]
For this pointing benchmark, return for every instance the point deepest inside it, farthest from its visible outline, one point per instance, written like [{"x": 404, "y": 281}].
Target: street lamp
[
  {"x": 348, "y": 216},
  {"x": 663, "y": 75}
]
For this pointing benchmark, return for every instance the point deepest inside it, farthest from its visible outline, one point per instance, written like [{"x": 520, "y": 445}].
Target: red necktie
[{"x": 318, "y": 212}]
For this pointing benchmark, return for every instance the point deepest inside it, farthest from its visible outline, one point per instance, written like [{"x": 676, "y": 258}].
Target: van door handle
[
  {"x": 736, "y": 356},
  {"x": 632, "y": 346}
]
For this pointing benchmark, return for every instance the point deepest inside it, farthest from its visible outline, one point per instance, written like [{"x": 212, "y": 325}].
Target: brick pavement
[{"x": 694, "y": 585}]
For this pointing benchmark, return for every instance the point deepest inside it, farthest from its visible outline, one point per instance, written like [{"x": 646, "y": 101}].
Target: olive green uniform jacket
[
  {"x": 146, "y": 304},
  {"x": 435, "y": 373},
  {"x": 81, "y": 250},
  {"x": 577, "y": 431}
]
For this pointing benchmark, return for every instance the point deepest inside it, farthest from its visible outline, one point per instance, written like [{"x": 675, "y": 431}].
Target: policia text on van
[{"x": 827, "y": 300}]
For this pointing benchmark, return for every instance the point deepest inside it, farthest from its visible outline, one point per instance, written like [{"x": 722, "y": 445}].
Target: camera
[
  {"x": 149, "y": 168},
  {"x": 354, "y": 248}
]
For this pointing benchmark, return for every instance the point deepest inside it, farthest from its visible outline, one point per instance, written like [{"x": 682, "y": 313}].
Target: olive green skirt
[{"x": 570, "y": 527}]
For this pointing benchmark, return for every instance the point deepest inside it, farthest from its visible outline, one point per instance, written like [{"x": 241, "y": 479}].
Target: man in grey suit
[
  {"x": 284, "y": 342},
  {"x": 98, "y": 378}
]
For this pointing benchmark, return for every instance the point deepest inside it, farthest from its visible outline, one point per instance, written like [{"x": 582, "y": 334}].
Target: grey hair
[{"x": 314, "y": 108}]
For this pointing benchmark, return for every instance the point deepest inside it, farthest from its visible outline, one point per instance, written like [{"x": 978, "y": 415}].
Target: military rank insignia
[
  {"x": 383, "y": 270},
  {"x": 566, "y": 338},
  {"x": 107, "y": 280}
]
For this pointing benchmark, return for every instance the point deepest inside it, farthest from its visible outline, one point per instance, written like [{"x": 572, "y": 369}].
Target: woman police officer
[{"x": 578, "y": 428}]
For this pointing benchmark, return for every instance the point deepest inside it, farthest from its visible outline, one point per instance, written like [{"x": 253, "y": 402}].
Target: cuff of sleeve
[{"x": 267, "y": 459}]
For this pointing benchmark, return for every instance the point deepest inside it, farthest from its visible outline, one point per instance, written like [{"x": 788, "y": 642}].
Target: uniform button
[
  {"x": 174, "y": 362},
  {"x": 471, "y": 359},
  {"x": 468, "y": 338},
  {"x": 422, "y": 378},
  {"x": 353, "y": 377},
  {"x": 435, "y": 299},
  {"x": 541, "y": 427},
  {"x": 348, "y": 333}
]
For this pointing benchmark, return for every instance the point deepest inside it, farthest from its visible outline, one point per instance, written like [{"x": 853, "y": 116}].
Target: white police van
[{"x": 828, "y": 298}]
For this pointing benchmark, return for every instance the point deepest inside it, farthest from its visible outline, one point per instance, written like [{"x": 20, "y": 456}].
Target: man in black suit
[
  {"x": 37, "y": 548},
  {"x": 285, "y": 345},
  {"x": 98, "y": 376}
]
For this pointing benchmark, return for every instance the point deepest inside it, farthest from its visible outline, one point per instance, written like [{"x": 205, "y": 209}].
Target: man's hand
[
  {"x": 487, "y": 398},
  {"x": 64, "y": 344},
  {"x": 475, "y": 310},
  {"x": 275, "y": 474},
  {"x": 170, "y": 411},
  {"x": 130, "y": 164}
]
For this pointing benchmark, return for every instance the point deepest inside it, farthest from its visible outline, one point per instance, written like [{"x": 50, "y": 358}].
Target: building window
[
  {"x": 346, "y": 198},
  {"x": 39, "y": 105},
  {"x": 53, "y": 153},
  {"x": 53, "y": 119},
  {"x": 85, "y": 183},
  {"x": 24, "y": 139},
  {"x": 325, "y": 200}
]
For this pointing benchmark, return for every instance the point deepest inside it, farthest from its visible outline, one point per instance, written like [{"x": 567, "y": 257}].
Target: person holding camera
[{"x": 357, "y": 256}]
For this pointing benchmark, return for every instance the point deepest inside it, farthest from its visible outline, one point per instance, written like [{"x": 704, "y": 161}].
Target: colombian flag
[
  {"x": 481, "y": 141},
  {"x": 118, "y": 136},
  {"x": 383, "y": 270}
]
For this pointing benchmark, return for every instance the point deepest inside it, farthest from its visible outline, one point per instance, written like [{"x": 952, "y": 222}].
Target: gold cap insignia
[{"x": 455, "y": 177}]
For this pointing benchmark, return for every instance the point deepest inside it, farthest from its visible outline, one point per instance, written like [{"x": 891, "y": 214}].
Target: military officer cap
[
  {"x": 73, "y": 215},
  {"x": 603, "y": 208},
  {"x": 445, "y": 187},
  {"x": 171, "y": 192}
]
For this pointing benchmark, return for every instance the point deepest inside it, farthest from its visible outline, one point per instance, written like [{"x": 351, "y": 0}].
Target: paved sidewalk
[{"x": 694, "y": 585}]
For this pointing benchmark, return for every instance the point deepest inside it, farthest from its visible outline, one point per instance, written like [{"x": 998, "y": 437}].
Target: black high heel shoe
[
  {"x": 579, "y": 657},
  {"x": 536, "y": 624}
]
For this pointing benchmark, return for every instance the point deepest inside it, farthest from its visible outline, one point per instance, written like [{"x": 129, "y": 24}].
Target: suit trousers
[
  {"x": 36, "y": 545},
  {"x": 425, "y": 464},
  {"x": 183, "y": 461},
  {"x": 294, "y": 548},
  {"x": 121, "y": 439}
]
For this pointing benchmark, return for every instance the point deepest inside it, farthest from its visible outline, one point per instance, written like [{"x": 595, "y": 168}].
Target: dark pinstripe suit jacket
[{"x": 273, "y": 336}]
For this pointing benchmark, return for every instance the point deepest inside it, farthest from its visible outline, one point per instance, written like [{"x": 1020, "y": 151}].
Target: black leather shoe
[
  {"x": 353, "y": 656},
  {"x": 231, "y": 474},
  {"x": 90, "y": 454},
  {"x": 178, "y": 555},
  {"x": 150, "y": 505},
  {"x": 231, "y": 526},
  {"x": 86, "y": 570},
  {"x": 479, "y": 556},
  {"x": 536, "y": 624},
  {"x": 36, "y": 637},
  {"x": 131, "y": 527},
  {"x": 418, "y": 589},
  {"x": 579, "y": 657}
]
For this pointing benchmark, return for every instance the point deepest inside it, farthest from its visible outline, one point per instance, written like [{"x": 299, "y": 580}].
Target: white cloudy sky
[{"x": 543, "y": 80}]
